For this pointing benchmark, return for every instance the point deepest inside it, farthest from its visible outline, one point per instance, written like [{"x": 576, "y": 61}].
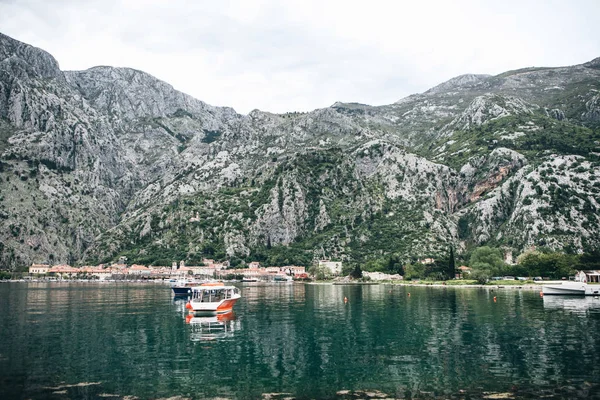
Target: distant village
[{"x": 209, "y": 269}]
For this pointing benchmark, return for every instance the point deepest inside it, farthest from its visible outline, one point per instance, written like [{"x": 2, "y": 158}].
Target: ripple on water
[{"x": 297, "y": 339}]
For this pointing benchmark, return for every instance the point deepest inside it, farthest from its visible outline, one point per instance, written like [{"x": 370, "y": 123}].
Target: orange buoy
[
  {"x": 494, "y": 299},
  {"x": 188, "y": 318},
  {"x": 345, "y": 299},
  {"x": 188, "y": 306}
]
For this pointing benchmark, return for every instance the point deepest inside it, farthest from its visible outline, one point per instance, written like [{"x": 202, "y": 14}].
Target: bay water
[{"x": 112, "y": 340}]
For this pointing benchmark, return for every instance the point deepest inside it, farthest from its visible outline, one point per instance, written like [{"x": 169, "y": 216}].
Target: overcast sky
[{"x": 300, "y": 55}]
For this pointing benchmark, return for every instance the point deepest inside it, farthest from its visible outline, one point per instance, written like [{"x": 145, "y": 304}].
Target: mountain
[{"x": 113, "y": 162}]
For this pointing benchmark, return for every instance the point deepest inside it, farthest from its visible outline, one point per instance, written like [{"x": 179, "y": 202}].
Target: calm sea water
[{"x": 78, "y": 340}]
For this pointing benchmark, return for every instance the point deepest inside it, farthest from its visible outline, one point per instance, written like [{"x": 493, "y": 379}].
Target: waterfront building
[
  {"x": 95, "y": 271},
  {"x": 464, "y": 271},
  {"x": 136, "y": 269},
  {"x": 40, "y": 269},
  {"x": 63, "y": 271},
  {"x": 592, "y": 276},
  {"x": 254, "y": 265},
  {"x": 334, "y": 267},
  {"x": 294, "y": 270}
]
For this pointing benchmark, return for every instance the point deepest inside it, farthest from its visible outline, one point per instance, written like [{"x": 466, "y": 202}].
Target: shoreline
[
  {"x": 524, "y": 286},
  {"x": 512, "y": 286}
]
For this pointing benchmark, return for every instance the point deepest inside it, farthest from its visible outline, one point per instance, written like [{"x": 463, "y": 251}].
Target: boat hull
[
  {"x": 221, "y": 307},
  {"x": 572, "y": 289},
  {"x": 181, "y": 290}
]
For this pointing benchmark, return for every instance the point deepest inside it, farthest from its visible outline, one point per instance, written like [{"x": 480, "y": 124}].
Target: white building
[
  {"x": 334, "y": 267},
  {"x": 39, "y": 269},
  {"x": 139, "y": 270}
]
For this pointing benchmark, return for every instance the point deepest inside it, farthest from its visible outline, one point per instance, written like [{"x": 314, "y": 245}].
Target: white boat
[
  {"x": 213, "y": 297},
  {"x": 579, "y": 287}
]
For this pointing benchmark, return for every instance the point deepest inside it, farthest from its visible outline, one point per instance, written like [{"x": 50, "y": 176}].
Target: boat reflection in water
[
  {"x": 578, "y": 305},
  {"x": 212, "y": 327}
]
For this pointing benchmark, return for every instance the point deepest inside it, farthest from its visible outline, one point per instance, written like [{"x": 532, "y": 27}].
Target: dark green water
[{"x": 83, "y": 340}]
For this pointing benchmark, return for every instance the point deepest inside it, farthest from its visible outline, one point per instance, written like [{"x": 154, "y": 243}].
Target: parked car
[
  {"x": 537, "y": 278},
  {"x": 509, "y": 278}
]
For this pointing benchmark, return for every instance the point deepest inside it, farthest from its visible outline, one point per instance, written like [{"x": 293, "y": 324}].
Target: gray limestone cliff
[{"x": 112, "y": 161}]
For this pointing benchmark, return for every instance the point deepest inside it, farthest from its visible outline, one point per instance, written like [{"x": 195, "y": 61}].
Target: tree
[
  {"x": 319, "y": 272},
  {"x": 414, "y": 271},
  {"x": 553, "y": 265},
  {"x": 451, "y": 264},
  {"x": 356, "y": 273},
  {"x": 394, "y": 266},
  {"x": 486, "y": 262},
  {"x": 589, "y": 260},
  {"x": 348, "y": 268}
]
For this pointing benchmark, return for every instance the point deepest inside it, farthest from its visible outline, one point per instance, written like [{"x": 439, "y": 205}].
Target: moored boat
[
  {"x": 213, "y": 297},
  {"x": 579, "y": 287},
  {"x": 282, "y": 278},
  {"x": 566, "y": 288},
  {"x": 184, "y": 288}
]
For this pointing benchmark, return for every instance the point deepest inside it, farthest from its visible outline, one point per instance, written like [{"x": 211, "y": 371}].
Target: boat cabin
[{"x": 214, "y": 294}]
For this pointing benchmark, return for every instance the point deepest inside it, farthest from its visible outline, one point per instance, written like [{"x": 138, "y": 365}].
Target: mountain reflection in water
[{"x": 296, "y": 340}]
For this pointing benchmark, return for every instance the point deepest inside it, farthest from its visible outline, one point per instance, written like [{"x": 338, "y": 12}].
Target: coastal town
[{"x": 209, "y": 269}]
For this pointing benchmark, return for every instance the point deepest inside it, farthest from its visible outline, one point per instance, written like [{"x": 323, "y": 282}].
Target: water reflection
[
  {"x": 575, "y": 304},
  {"x": 303, "y": 340},
  {"x": 212, "y": 327}
]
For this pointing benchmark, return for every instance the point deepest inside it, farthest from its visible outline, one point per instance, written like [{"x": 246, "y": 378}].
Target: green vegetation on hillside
[
  {"x": 361, "y": 226},
  {"x": 531, "y": 135}
]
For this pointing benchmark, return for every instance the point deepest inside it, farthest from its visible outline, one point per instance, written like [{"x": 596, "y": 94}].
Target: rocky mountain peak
[
  {"x": 36, "y": 62},
  {"x": 595, "y": 63},
  {"x": 461, "y": 82},
  {"x": 129, "y": 93}
]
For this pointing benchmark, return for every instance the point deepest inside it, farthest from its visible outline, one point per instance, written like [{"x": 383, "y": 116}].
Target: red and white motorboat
[{"x": 213, "y": 297}]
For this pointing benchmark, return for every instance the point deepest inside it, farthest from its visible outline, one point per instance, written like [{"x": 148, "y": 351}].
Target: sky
[{"x": 300, "y": 55}]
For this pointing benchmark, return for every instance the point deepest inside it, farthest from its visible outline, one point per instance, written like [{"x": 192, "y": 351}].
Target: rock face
[{"x": 111, "y": 161}]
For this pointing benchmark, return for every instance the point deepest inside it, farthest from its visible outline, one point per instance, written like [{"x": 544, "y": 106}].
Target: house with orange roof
[
  {"x": 160, "y": 270},
  {"x": 63, "y": 270},
  {"x": 254, "y": 265},
  {"x": 136, "y": 269},
  {"x": 463, "y": 270},
  {"x": 183, "y": 271},
  {"x": 96, "y": 272},
  {"x": 294, "y": 270}
]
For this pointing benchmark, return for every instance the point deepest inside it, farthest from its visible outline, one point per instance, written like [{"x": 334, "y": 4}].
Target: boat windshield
[{"x": 211, "y": 295}]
